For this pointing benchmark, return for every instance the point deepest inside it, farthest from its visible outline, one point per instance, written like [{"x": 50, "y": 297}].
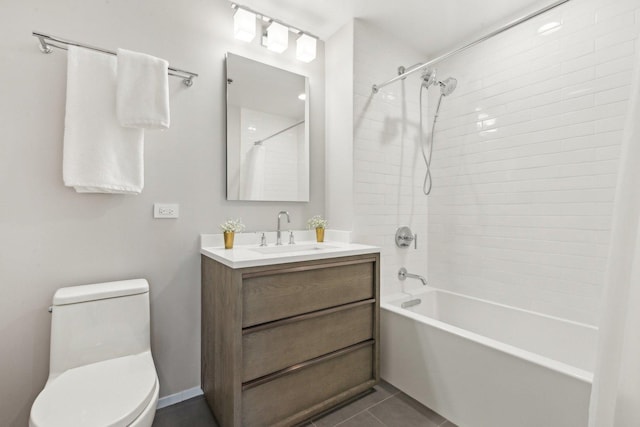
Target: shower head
[{"x": 448, "y": 86}]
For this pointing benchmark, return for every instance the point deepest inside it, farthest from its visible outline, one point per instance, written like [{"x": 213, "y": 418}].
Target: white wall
[
  {"x": 339, "y": 128},
  {"x": 526, "y": 157},
  {"x": 53, "y": 237}
]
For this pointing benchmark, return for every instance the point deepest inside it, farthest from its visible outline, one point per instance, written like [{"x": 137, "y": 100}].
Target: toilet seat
[{"x": 112, "y": 393}]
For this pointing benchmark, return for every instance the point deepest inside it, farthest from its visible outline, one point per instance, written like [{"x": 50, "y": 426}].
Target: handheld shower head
[{"x": 448, "y": 86}]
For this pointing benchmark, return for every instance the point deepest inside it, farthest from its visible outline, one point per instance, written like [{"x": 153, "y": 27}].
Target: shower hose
[{"x": 428, "y": 182}]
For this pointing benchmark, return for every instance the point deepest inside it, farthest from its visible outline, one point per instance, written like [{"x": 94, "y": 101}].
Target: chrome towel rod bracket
[{"x": 48, "y": 41}]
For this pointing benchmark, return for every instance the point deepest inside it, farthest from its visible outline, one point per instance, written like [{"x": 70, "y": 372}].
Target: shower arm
[{"x": 375, "y": 88}]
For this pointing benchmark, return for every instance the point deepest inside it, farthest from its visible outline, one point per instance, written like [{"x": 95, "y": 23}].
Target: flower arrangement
[
  {"x": 232, "y": 226},
  {"x": 317, "y": 221}
]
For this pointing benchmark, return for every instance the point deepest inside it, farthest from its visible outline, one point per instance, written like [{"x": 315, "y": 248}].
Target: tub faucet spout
[{"x": 403, "y": 274}]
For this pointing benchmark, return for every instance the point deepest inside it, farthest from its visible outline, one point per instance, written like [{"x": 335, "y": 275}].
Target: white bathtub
[{"x": 482, "y": 364}]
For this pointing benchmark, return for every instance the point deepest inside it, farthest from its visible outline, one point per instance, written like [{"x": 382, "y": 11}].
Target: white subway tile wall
[
  {"x": 525, "y": 158},
  {"x": 388, "y": 169}
]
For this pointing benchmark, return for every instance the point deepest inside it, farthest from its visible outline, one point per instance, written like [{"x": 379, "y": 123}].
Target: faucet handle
[{"x": 291, "y": 238}]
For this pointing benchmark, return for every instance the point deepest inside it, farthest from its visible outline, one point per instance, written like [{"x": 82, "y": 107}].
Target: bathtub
[{"x": 482, "y": 364}]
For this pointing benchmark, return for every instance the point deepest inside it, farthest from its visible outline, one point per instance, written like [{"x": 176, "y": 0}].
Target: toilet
[{"x": 101, "y": 372}]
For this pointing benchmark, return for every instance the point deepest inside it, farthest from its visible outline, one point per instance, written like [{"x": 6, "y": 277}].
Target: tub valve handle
[{"x": 404, "y": 237}]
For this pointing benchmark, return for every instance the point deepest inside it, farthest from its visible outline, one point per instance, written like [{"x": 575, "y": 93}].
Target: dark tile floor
[{"x": 385, "y": 406}]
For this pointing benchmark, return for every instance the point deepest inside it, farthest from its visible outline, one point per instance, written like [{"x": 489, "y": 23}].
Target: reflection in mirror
[{"x": 267, "y": 132}]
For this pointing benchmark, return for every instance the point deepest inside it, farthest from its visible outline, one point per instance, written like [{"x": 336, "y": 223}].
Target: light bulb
[
  {"x": 277, "y": 37},
  {"x": 244, "y": 25},
  {"x": 306, "y": 48}
]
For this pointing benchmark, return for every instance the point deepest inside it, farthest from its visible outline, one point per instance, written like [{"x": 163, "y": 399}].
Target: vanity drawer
[
  {"x": 297, "y": 395},
  {"x": 274, "y": 295},
  {"x": 272, "y": 347}
]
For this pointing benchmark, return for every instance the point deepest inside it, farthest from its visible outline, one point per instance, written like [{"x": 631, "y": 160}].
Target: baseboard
[{"x": 178, "y": 397}]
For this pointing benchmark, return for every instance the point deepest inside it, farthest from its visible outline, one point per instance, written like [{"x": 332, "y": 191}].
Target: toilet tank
[{"x": 92, "y": 323}]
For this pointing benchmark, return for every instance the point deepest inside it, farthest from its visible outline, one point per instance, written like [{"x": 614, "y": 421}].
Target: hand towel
[
  {"x": 143, "y": 91},
  {"x": 99, "y": 155}
]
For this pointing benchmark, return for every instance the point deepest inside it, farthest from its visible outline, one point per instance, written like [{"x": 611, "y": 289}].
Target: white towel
[
  {"x": 143, "y": 91},
  {"x": 100, "y": 156}
]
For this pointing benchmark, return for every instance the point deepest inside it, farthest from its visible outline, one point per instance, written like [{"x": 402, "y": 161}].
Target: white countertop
[{"x": 250, "y": 255}]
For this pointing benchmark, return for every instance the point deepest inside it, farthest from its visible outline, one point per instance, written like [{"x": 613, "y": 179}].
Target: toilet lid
[{"x": 110, "y": 393}]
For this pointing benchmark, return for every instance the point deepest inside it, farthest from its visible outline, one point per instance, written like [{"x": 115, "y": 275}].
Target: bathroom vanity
[{"x": 288, "y": 333}]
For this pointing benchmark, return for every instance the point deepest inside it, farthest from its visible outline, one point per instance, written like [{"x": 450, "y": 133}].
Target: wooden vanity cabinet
[{"x": 282, "y": 343}]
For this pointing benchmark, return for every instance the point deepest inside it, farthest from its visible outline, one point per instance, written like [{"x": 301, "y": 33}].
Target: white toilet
[{"x": 101, "y": 372}]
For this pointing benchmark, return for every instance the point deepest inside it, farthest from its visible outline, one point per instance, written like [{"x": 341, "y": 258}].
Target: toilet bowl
[{"x": 101, "y": 372}]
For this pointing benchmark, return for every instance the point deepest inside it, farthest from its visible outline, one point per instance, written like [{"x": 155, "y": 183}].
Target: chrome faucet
[
  {"x": 403, "y": 274},
  {"x": 279, "y": 232}
]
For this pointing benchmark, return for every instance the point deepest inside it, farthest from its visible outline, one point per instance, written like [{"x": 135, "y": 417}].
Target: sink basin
[{"x": 292, "y": 248}]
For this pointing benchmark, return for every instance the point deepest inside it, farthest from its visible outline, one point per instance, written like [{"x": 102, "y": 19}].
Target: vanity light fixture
[
  {"x": 244, "y": 25},
  {"x": 276, "y": 36},
  {"x": 306, "y": 48}
]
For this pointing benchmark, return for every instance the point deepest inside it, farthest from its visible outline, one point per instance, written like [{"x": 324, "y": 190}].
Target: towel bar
[{"x": 46, "y": 45}]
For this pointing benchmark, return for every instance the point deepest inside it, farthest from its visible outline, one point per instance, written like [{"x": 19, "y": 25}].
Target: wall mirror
[{"x": 267, "y": 132}]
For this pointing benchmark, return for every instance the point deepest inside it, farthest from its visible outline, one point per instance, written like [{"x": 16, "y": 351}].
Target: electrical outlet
[{"x": 166, "y": 210}]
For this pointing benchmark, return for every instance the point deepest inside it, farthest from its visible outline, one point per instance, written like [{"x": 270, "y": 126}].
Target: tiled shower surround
[
  {"x": 387, "y": 168},
  {"x": 525, "y": 158}
]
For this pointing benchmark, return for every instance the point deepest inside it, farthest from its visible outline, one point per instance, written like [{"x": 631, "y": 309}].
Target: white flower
[
  {"x": 232, "y": 225},
  {"x": 317, "y": 221}
]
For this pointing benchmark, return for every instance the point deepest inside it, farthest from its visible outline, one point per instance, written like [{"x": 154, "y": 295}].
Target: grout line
[
  {"x": 383, "y": 400},
  {"x": 366, "y": 409},
  {"x": 376, "y": 418},
  {"x": 344, "y": 421}
]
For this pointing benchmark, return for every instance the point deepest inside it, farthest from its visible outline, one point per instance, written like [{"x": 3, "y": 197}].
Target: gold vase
[
  {"x": 320, "y": 234},
  {"x": 228, "y": 239}
]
